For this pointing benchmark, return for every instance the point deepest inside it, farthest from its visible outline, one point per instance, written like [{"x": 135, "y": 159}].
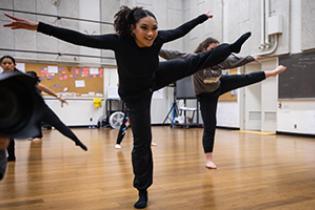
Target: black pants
[
  {"x": 139, "y": 110},
  {"x": 49, "y": 117},
  {"x": 11, "y": 149},
  {"x": 209, "y": 102},
  {"x": 122, "y": 129}
]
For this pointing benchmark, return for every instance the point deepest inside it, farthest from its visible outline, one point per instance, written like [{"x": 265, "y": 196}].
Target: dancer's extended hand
[
  {"x": 62, "y": 100},
  {"x": 19, "y": 23},
  {"x": 209, "y": 15}
]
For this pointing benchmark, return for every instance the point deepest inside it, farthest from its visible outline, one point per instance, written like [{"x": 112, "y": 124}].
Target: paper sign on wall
[
  {"x": 20, "y": 66},
  {"x": 79, "y": 83},
  {"x": 94, "y": 71},
  {"x": 53, "y": 69}
]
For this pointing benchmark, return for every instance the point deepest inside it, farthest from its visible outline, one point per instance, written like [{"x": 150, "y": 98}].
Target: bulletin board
[
  {"x": 69, "y": 79},
  {"x": 231, "y": 95}
]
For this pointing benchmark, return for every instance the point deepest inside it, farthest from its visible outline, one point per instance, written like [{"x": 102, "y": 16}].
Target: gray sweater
[{"x": 208, "y": 80}]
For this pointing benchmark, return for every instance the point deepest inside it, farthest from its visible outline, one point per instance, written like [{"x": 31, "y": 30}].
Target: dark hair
[
  {"x": 32, "y": 74},
  {"x": 203, "y": 45},
  {"x": 9, "y": 57},
  {"x": 126, "y": 17}
]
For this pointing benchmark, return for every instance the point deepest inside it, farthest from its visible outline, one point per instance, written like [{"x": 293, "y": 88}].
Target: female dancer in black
[
  {"x": 209, "y": 85},
  {"x": 8, "y": 64},
  {"x": 136, "y": 44},
  {"x": 19, "y": 110}
]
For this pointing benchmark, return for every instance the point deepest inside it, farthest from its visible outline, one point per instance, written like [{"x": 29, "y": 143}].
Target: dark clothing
[
  {"x": 49, "y": 117},
  {"x": 140, "y": 73},
  {"x": 11, "y": 150},
  {"x": 11, "y": 145},
  {"x": 139, "y": 111},
  {"x": 209, "y": 84},
  {"x": 208, "y": 80},
  {"x": 122, "y": 129},
  {"x": 209, "y": 102},
  {"x": 140, "y": 121},
  {"x": 136, "y": 66},
  {"x": 52, "y": 119},
  {"x": 3, "y": 163},
  {"x": 172, "y": 70},
  {"x": 34, "y": 75}
]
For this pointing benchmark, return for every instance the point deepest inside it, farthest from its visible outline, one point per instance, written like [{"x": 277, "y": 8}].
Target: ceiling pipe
[
  {"x": 269, "y": 43},
  {"x": 274, "y": 46},
  {"x": 262, "y": 25}
]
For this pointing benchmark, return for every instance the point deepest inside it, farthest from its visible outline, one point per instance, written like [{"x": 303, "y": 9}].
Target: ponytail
[
  {"x": 126, "y": 17},
  {"x": 122, "y": 27}
]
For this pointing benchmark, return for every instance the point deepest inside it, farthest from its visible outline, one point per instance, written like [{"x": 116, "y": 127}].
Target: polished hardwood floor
[{"x": 255, "y": 172}]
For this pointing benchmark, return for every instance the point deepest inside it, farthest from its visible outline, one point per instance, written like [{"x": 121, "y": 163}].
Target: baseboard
[
  {"x": 295, "y": 134},
  {"x": 228, "y": 128}
]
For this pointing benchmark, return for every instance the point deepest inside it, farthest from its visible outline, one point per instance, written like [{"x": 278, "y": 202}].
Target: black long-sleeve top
[{"x": 136, "y": 66}]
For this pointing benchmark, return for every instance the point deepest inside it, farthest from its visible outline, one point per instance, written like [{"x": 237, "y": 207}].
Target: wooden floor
[{"x": 255, "y": 172}]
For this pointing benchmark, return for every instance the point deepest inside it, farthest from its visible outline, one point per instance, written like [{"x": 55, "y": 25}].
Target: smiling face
[
  {"x": 145, "y": 31},
  {"x": 7, "y": 64}
]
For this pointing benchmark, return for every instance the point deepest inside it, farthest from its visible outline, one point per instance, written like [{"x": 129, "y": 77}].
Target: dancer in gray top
[{"x": 209, "y": 84}]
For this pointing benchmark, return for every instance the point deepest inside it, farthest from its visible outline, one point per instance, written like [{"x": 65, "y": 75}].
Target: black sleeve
[
  {"x": 107, "y": 41},
  {"x": 170, "y": 35}
]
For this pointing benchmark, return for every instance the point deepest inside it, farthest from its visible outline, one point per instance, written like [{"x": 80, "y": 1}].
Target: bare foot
[
  {"x": 211, "y": 165},
  {"x": 278, "y": 70},
  {"x": 117, "y": 146},
  {"x": 36, "y": 139}
]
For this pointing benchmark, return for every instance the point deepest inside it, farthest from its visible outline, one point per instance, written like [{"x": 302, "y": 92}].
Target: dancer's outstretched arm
[
  {"x": 47, "y": 90},
  {"x": 170, "y": 35},
  {"x": 107, "y": 41}
]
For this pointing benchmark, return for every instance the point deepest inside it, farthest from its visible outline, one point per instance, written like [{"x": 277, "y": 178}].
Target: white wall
[
  {"x": 168, "y": 12},
  {"x": 269, "y": 97},
  {"x": 78, "y": 112},
  {"x": 27, "y": 40},
  {"x": 252, "y": 100},
  {"x": 89, "y": 10},
  {"x": 307, "y": 24},
  {"x": 228, "y": 114},
  {"x": 231, "y": 18},
  {"x": 258, "y": 108},
  {"x": 296, "y": 117}
]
